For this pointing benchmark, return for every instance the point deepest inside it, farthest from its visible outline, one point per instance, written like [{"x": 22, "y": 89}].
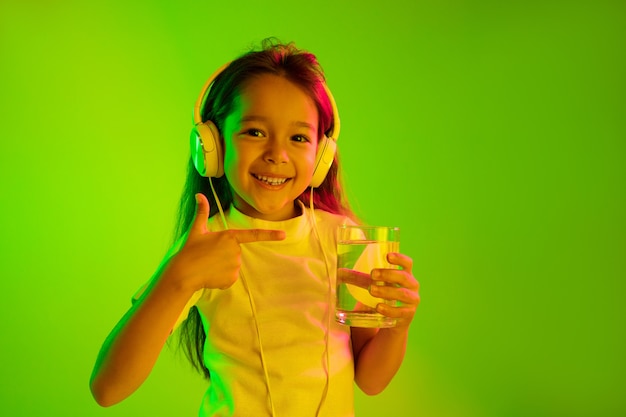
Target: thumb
[{"x": 198, "y": 225}]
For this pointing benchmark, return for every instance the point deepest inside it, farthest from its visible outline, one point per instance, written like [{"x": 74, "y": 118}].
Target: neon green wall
[{"x": 492, "y": 133}]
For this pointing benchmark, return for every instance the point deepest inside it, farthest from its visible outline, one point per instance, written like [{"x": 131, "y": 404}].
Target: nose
[{"x": 276, "y": 152}]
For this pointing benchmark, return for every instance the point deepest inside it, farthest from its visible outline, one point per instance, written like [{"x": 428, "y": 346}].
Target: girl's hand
[
  {"x": 212, "y": 259},
  {"x": 400, "y": 286}
]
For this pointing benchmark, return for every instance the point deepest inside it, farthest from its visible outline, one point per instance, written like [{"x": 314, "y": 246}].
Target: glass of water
[{"x": 360, "y": 249}]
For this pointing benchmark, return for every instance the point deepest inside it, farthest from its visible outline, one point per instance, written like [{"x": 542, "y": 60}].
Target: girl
[{"x": 251, "y": 288}]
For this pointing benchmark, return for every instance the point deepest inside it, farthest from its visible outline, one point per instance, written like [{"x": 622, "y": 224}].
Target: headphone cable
[{"x": 327, "y": 333}]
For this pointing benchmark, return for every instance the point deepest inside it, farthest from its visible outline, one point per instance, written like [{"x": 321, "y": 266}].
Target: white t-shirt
[{"x": 289, "y": 284}]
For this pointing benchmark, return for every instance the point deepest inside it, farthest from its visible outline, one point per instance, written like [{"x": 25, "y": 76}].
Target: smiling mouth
[{"x": 271, "y": 180}]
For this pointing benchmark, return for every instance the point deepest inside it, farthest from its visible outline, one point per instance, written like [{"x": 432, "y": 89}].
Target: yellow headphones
[{"x": 206, "y": 149}]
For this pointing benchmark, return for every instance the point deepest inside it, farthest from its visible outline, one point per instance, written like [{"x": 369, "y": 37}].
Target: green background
[{"x": 492, "y": 133}]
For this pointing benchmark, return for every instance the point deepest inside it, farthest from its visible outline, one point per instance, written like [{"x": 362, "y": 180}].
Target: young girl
[{"x": 251, "y": 289}]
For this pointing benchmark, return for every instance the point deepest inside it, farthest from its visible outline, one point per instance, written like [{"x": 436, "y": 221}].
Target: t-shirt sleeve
[{"x": 192, "y": 301}]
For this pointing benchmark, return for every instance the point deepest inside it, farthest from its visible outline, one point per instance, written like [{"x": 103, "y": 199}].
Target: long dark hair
[{"x": 298, "y": 66}]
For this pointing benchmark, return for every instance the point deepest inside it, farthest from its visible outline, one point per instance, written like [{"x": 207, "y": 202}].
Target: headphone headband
[{"x": 197, "y": 117}]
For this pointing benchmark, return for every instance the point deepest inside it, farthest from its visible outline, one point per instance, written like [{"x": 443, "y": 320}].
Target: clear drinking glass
[{"x": 360, "y": 249}]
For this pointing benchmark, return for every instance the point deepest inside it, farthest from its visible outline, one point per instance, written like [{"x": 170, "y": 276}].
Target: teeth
[{"x": 271, "y": 181}]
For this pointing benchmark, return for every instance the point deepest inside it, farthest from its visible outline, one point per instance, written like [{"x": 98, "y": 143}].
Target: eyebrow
[{"x": 254, "y": 118}]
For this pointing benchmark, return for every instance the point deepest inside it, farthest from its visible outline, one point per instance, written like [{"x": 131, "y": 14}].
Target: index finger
[
  {"x": 349, "y": 276},
  {"x": 257, "y": 235}
]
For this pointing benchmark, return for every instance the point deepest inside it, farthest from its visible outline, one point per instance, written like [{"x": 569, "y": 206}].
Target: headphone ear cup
[
  {"x": 323, "y": 161},
  {"x": 206, "y": 150}
]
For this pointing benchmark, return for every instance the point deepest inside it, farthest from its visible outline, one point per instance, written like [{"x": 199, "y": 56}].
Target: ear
[
  {"x": 325, "y": 155},
  {"x": 206, "y": 150},
  {"x": 219, "y": 150}
]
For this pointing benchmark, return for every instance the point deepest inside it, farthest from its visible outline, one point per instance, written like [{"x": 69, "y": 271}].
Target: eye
[
  {"x": 300, "y": 138},
  {"x": 254, "y": 132}
]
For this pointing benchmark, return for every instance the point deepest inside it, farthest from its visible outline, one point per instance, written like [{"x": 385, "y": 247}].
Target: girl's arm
[
  {"x": 206, "y": 260},
  {"x": 378, "y": 353},
  {"x": 133, "y": 346}
]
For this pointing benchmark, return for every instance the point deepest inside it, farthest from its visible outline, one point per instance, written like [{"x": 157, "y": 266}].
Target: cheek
[
  {"x": 310, "y": 160},
  {"x": 230, "y": 158},
  {"x": 232, "y": 162}
]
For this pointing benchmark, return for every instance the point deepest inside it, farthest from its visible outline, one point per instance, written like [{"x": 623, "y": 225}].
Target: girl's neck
[{"x": 293, "y": 211}]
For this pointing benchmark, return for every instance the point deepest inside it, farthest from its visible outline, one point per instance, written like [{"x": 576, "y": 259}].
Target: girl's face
[{"x": 270, "y": 143}]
